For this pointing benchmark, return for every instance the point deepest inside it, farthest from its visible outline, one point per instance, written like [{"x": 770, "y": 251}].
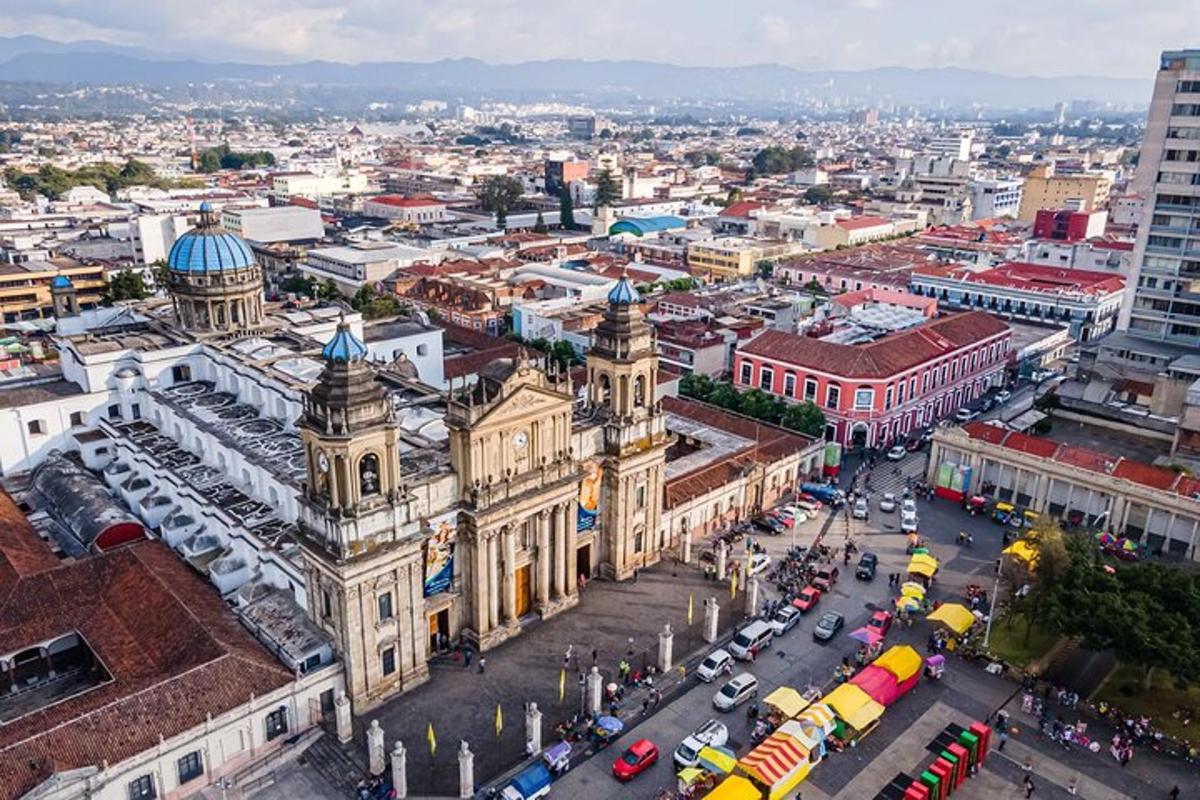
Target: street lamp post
[{"x": 987, "y": 631}]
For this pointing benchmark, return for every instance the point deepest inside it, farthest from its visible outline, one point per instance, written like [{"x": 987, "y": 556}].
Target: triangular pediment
[{"x": 528, "y": 402}]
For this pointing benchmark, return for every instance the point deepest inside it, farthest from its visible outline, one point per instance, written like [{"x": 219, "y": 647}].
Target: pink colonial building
[{"x": 876, "y": 387}]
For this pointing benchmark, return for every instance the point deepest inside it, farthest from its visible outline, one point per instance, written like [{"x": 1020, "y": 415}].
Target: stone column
[
  {"x": 533, "y": 730},
  {"x": 722, "y": 555},
  {"x": 400, "y": 769},
  {"x": 510, "y": 577},
  {"x": 711, "y": 619},
  {"x": 751, "y": 597},
  {"x": 560, "y": 550},
  {"x": 572, "y": 547},
  {"x": 686, "y": 547},
  {"x": 493, "y": 565},
  {"x": 666, "y": 641},
  {"x": 594, "y": 684},
  {"x": 345, "y": 728},
  {"x": 543, "y": 558},
  {"x": 375, "y": 748},
  {"x": 480, "y": 591},
  {"x": 466, "y": 771}
]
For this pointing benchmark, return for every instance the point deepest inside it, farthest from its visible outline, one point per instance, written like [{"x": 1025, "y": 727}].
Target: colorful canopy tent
[
  {"x": 865, "y": 635},
  {"x": 891, "y": 676},
  {"x": 779, "y": 764},
  {"x": 907, "y": 604},
  {"x": 854, "y": 707},
  {"x": 912, "y": 589},
  {"x": 923, "y": 564},
  {"x": 958, "y": 618},
  {"x": 720, "y": 760},
  {"x": 1023, "y": 550},
  {"x": 812, "y": 727},
  {"x": 735, "y": 787},
  {"x": 787, "y": 701},
  {"x": 900, "y": 660}
]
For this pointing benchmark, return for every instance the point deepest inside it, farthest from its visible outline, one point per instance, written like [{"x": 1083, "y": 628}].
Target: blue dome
[
  {"x": 344, "y": 346},
  {"x": 623, "y": 294},
  {"x": 209, "y": 249},
  {"x": 61, "y": 282}
]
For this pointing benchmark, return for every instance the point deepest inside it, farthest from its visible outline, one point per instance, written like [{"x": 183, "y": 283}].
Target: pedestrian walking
[
  {"x": 1029, "y": 787},
  {"x": 1003, "y": 738},
  {"x": 1072, "y": 786},
  {"x": 645, "y": 706},
  {"x": 482, "y": 664},
  {"x": 1174, "y": 793},
  {"x": 635, "y": 574},
  {"x": 595, "y": 653},
  {"x": 467, "y": 657},
  {"x": 1028, "y": 765}
]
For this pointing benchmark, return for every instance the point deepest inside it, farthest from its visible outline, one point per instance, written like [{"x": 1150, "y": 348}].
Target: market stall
[
  {"x": 712, "y": 764},
  {"x": 855, "y": 709},
  {"x": 921, "y": 569},
  {"x": 891, "y": 676},
  {"x": 958, "y": 618},
  {"x": 785, "y": 703},
  {"x": 735, "y": 787},
  {"x": 779, "y": 764}
]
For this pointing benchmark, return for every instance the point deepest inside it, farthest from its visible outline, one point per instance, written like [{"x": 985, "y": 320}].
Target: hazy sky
[{"x": 1120, "y": 38}]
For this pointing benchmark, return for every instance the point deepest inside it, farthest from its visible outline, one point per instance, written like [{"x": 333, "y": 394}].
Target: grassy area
[
  {"x": 1123, "y": 689},
  {"x": 1008, "y": 640}
]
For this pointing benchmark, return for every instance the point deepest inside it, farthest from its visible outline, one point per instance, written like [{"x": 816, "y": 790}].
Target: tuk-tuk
[
  {"x": 1031, "y": 518},
  {"x": 977, "y": 504},
  {"x": 1017, "y": 520},
  {"x": 1001, "y": 512},
  {"x": 557, "y": 758},
  {"x": 935, "y": 667}
]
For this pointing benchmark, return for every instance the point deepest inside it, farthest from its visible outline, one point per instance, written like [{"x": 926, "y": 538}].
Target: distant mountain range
[{"x": 33, "y": 59}]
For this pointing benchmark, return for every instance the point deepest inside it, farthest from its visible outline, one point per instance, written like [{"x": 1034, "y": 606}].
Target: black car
[
  {"x": 828, "y": 626},
  {"x": 867, "y": 565}
]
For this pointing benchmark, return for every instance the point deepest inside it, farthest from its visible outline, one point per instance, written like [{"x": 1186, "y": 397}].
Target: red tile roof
[
  {"x": 1145, "y": 474},
  {"x": 858, "y": 223},
  {"x": 883, "y": 357},
  {"x": 741, "y": 209},
  {"x": 1040, "y": 278},
  {"x": 175, "y": 652},
  {"x": 993, "y": 434},
  {"x": 400, "y": 201}
]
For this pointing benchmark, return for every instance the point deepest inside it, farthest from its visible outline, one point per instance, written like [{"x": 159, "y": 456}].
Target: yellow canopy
[
  {"x": 957, "y": 618},
  {"x": 922, "y": 568},
  {"x": 718, "y": 758},
  {"x": 900, "y": 660},
  {"x": 787, "y": 700},
  {"x": 853, "y": 706},
  {"x": 735, "y": 787},
  {"x": 1023, "y": 550},
  {"x": 912, "y": 589},
  {"x": 923, "y": 558},
  {"x": 907, "y": 604},
  {"x": 688, "y": 775}
]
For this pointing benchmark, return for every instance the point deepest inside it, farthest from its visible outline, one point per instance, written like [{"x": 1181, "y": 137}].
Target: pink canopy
[{"x": 882, "y": 686}]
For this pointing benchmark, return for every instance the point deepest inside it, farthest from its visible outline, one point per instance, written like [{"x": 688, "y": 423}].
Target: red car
[
  {"x": 807, "y": 598},
  {"x": 636, "y": 760},
  {"x": 881, "y": 621},
  {"x": 826, "y": 578}
]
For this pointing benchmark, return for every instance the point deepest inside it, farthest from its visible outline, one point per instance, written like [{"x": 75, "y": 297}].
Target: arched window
[
  {"x": 368, "y": 475},
  {"x": 639, "y": 390},
  {"x": 605, "y": 395}
]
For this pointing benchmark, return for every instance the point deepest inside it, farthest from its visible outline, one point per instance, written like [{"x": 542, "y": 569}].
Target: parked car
[
  {"x": 908, "y": 522},
  {"x": 710, "y": 734},
  {"x": 868, "y": 562},
  {"x": 809, "y": 507},
  {"x": 913, "y": 445},
  {"x": 887, "y": 503},
  {"x": 807, "y": 598},
  {"x": 783, "y": 519},
  {"x": 861, "y": 510},
  {"x": 897, "y": 453},
  {"x": 826, "y": 578},
  {"x": 736, "y": 691},
  {"x": 908, "y": 506},
  {"x": 768, "y": 525},
  {"x": 784, "y": 620},
  {"x": 718, "y": 663},
  {"x": 639, "y": 757},
  {"x": 1003, "y": 396},
  {"x": 828, "y": 626},
  {"x": 751, "y": 640},
  {"x": 759, "y": 562},
  {"x": 965, "y": 415},
  {"x": 829, "y": 495},
  {"x": 881, "y": 621}
]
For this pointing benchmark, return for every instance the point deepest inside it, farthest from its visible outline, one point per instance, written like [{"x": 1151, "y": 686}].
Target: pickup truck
[{"x": 531, "y": 784}]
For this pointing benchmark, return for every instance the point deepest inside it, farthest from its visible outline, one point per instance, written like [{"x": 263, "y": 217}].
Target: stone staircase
[{"x": 337, "y": 763}]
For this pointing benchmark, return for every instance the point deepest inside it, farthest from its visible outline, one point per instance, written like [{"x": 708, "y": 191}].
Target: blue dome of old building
[
  {"x": 61, "y": 282},
  {"x": 209, "y": 248},
  {"x": 344, "y": 346},
  {"x": 623, "y": 294}
]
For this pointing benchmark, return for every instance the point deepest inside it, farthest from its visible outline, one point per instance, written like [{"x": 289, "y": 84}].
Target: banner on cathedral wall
[
  {"x": 439, "y": 553},
  {"x": 589, "y": 496}
]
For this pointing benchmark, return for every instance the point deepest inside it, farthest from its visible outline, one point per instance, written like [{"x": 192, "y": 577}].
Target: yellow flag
[
  {"x": 432, "y": 740},
  {"x": 562, "y": 685},
  {"x": 733, "y": 586},
  {"x": 691, "y": 600},
  {"x": 499, "y": 720}
]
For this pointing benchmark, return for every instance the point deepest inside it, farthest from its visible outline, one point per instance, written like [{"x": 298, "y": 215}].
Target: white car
[
  {"x": 785, "y": 619},
  {"x": 965, "y": 415},
  {"x": 897, "y": 453},
  {"x": 807, "y": 507},
  {"x": 860, "y": 509},
  {"x": 887, "y": 503},
  {"x": 908, "y": 522},
  {"x": 759, "y": 562},
  {"x": 710, "y": 734},
  {"x": 738, "y": 690},
  {"x": 1003, "y": 396},
  {"x": 909, "y": 506},
  {"x": 718, "y": 663}
]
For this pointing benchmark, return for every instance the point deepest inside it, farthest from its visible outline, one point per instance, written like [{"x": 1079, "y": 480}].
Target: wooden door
[{"x": 524, "y": 590}]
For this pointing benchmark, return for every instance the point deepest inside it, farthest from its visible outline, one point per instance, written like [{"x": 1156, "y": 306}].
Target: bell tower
[
  {"x": 359, "y": 534},
  {"x": 622, "y": 377}
]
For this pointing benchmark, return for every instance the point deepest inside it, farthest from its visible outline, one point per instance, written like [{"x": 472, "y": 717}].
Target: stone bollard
[
  {"x": 466, "y": 771},
  {"x": 752, "y": 597},
  {"x": 533, "y": 730},
  {"x": 345, "y": 726},
  {"x": 686, "y": 555},
  {"x": 375, "y": 748},
  {"x": 666, "y": 641},
  {"x": 594, "y": 684},
  {"x": 711, "y": 612},
  {"x": 722, "y": 555},
  {"x": 400, "y": 769}
]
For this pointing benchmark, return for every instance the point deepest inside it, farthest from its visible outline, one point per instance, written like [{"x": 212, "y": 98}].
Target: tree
[
  {"x": 499, "y": 195},
  {"x": 328, "y": 290},
  {"x": 539, "y": 225},
  {"x": 725, "y": 396},
  {"x": 817, "y": 195},
  {"x": 125, "y": 285},
  {"x": 1053, "y": 561},
  {"x": 735, "y": 196},
  {"x": 760, "y": 405},
  {"x": 804, "y": 417},
  {"x": 566, "y": 210},
  {"x": 765, "y": 268},
  {"x": 774, "y": 160},
  {"x": 563, "y": 354},
  {"x": 698, "y": 387},
  {"x": 607, "y": 191},
  {"x": 210, "y": 161}
]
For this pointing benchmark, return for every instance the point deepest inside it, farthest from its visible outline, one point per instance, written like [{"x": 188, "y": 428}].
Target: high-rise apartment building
[{"x": 1162, "y": 302}]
